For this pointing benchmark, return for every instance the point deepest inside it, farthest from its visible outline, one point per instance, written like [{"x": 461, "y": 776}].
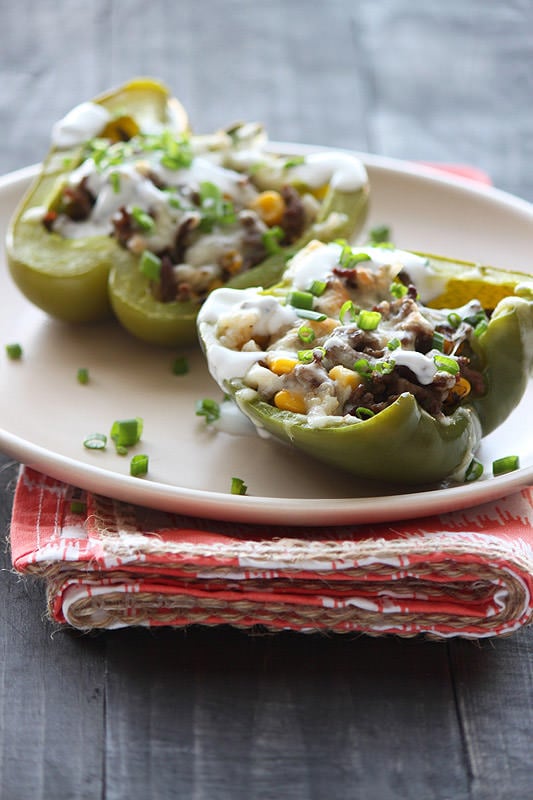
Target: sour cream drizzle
[
  {"x": 342, "y": 171},
  {"x": 317, "y": 260},
  {"x": 133, "y": 188},
  {"x": 225, "y": 363},
  {"x": 81, "y": 123}
]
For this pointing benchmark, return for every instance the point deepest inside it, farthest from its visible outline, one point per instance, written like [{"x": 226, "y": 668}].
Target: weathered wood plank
[
  {"x": 224, "y": 714},
  {"x": 494, "y": 690},
  {"x": 51, "y": 691}
]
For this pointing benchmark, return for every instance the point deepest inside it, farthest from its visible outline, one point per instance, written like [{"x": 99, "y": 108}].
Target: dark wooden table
[{"x": 219, "y": 714}]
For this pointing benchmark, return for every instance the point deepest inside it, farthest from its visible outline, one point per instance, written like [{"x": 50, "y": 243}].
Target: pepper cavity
[{"x": 351, "y": 358}]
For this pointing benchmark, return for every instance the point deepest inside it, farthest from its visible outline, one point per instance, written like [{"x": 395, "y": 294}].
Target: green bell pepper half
[
  {"x": 68, "y": 278},
  {"x": 403, "y": 444}
]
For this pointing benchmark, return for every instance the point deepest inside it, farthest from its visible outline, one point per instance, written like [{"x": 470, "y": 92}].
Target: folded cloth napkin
[{"x": 108, "y": 564}]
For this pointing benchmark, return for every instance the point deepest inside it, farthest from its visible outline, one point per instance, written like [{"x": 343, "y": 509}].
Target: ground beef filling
[
  {"x": 378, "y": 382},
  {"x": 249, "y": 247}
]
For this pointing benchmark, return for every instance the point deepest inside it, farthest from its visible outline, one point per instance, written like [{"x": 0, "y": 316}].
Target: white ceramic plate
[{"x": 45, "y": 414}]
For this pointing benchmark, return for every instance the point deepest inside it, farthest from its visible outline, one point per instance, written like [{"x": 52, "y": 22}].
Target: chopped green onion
[
  {"x": 177, "y": 152},
  {"x": 14, "y": 351},
  {"x": 369, "y": 320},
  {"x": 348, "y": 312},
  {"x": 394, "y": 344},
  {"x": 446, "y": 364},
  {"x": 362, "y": 366},
  {"x": 505, "y": 464},
  {"x": 305, "y": 313},
  {"x": 306, "y": 334},
  {"x": 454, "y": 319},
  {"x": 114, "y": 180},
  {"x": 294, "y": 162},
  {"x": 305, "y": 356},
  {"x": 238, "y": 486},
  {"x": 78, "y": 507},
  {"x": 150, "y": 265},
  {"x": 474, "y": 471},
  {"x": 300, "y": 299},
  {"x": 384, "y": 367},
  {"x": 348, "y": 259},
  {"x": 209, "y": 409},
  {"x": 174, "y": 202},
  {"x": 481, "y": 327},
  {"x": 438, "y": 341},
  {"x": 83, "y": 375},
  {"x": 121, "y": 450},
  {"x": 318, "y": 288},
  {"x": 139, "y": 465},
  {"x": 380, "y": 234},
  {"x": 271, "y": 239},
  {"x": 474, "y": 319},
  {"x": 216, "y": 210},
  {"x": 127, "y": 432},
  {"x": 398, "y": 290},
  {"x": 364, "y": 413},
  {"x": 180, "y": 366},
  {"x": 144, "y": 221},
  {"x": 95, "y": 441}
]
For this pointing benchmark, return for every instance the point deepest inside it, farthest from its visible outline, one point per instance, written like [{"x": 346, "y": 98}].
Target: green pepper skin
[
  {"x": 505, "y": 353},
  {"x": 174, "y": 323},
  {"x": 68, "y": 278},
  {"x": 402, "y": 444}
]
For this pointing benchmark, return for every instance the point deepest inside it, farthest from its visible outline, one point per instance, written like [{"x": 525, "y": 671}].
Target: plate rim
[{"x": 275, "y": 511}]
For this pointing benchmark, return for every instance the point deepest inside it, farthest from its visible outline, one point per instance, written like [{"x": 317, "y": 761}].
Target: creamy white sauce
[
  {"x": 209, "y": 247},
  {"x": 225, "y": 363},
  {"x": 429, "y": 283},
  {"x": 272, "y": 315},
  {"x": 133, "y": 190},
  {"x": 81, "y": 123},
  {"x": 421, "y": 365},
  {"x": 317, "y": 261},
  {"x": 342, "y": 171}
]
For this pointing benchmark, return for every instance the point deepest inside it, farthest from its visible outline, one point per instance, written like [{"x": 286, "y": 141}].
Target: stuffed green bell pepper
[
  {"x": 149, "y": 219},
  {"x": 346, "y": 359},
  {"x": 67, "y": 275}
]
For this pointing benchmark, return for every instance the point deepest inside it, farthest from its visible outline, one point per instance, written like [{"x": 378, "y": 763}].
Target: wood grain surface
[{"x": 219, "y": 714}]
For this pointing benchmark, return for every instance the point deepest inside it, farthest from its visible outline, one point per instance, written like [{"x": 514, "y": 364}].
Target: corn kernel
[
  {"x": 281, "y": 366},
  {"x": 270, "y": 206},
  {"x": 345, "y": 377},
  {"x": 289, "y": 401},
  {"x": 462, "y": 388}
]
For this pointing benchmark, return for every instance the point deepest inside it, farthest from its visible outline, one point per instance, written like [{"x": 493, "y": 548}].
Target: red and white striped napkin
[{"x": 467, "y": 573}]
